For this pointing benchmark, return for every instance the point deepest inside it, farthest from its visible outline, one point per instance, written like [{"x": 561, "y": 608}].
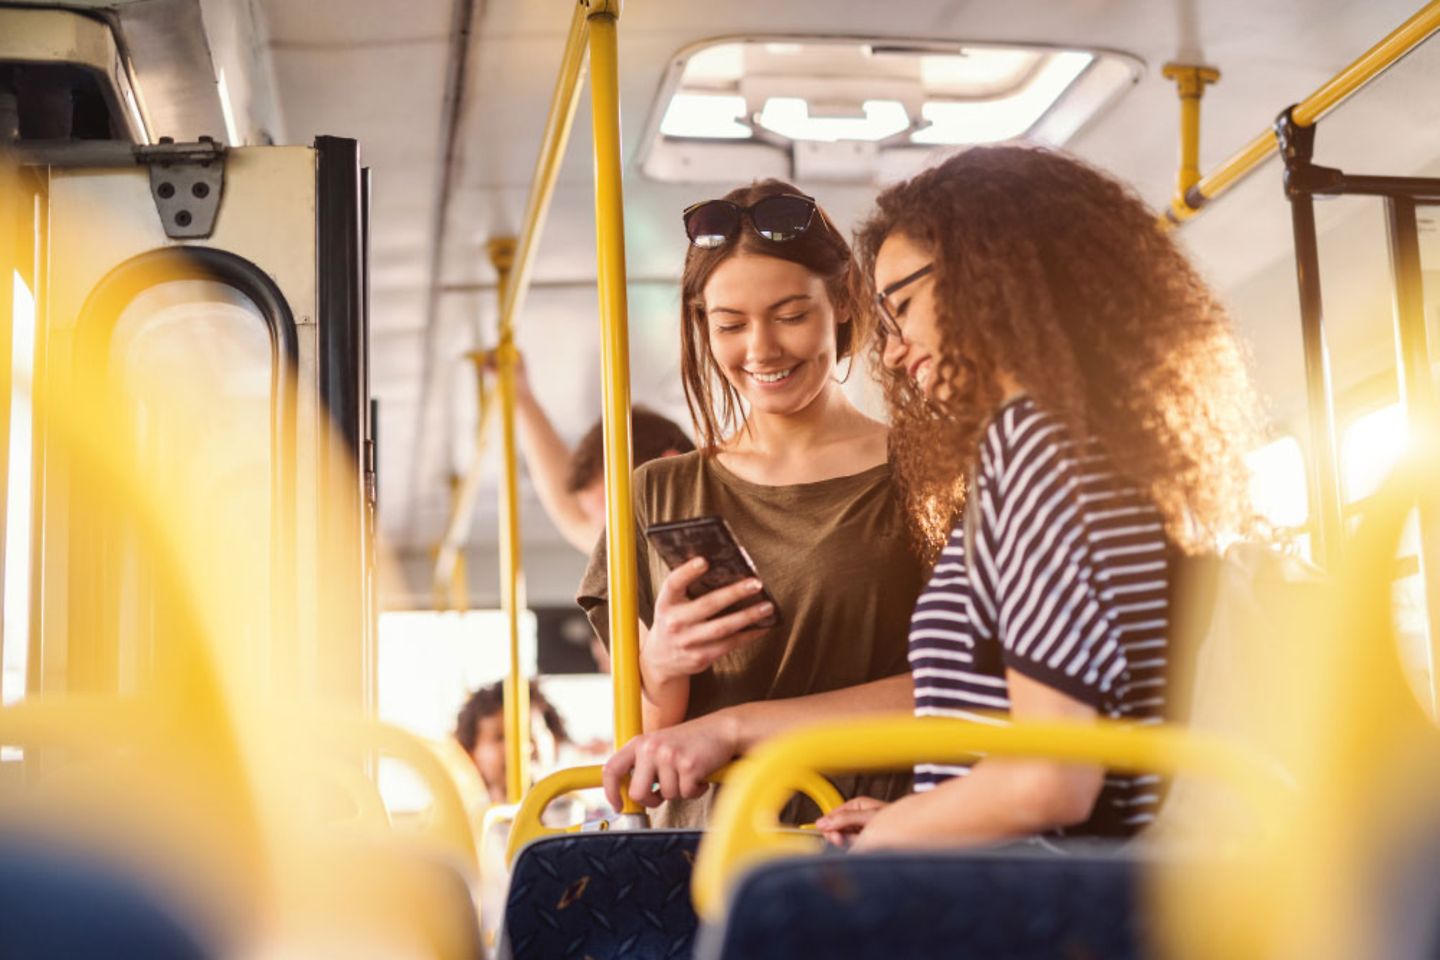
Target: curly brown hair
[
  {"x": 822, "y": 250},
  {"x": 1060, "y": 276}
]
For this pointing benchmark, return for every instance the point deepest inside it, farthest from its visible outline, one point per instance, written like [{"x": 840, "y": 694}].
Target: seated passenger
[
  {"x": 1050, "y": 351},
  {"x": 769, "y": 309},
  {"x": 480, "y": 729}
]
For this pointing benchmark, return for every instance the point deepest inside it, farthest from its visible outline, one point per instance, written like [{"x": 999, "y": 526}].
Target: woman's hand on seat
[
  {"x": 686, "y": 636},
  {"x": 672, "y": 763},
  {"x": 845, "y": 822}
]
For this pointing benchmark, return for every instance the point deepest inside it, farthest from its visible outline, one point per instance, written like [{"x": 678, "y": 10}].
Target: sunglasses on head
[{"x": 781, "y": 218}]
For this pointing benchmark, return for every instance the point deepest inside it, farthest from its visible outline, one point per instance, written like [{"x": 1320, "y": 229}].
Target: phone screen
[{"x": 681, "y": 541}]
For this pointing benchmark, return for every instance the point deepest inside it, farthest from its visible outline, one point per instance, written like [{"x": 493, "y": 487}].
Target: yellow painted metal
[
  {"x": 615, "y": 377},
  {"x": 744, "y": 830},
  {"x": 512, "y": 587},
  {"x": 1190, "y": 82},
  {"x": 1365, "y": 68},
  {"x": 449, "y": 555},
  {"x": 558, "y": 122},
  {"x": 527, "y": 825},
  {"x": 454, "y": 594}
]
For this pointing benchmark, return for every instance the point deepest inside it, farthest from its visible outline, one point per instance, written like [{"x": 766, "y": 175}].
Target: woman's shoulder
[
  {"x": 672, "y": 469},
  {"x": 1020, "y": 431}
]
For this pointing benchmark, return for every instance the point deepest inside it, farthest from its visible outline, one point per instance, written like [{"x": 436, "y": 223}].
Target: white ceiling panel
[{"x": 375, "y": 70}]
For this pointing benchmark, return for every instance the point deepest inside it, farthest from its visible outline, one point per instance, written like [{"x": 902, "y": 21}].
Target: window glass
[
  {"x": 194, "y": 359},
  {"x": 1371, "y": 447},
  {"x": 1277, "y": 483},
  {"x": 16, "y": 601},
  {"x": 430, "y": 663}
]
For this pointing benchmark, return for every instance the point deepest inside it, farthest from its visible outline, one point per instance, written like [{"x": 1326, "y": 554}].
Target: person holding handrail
[
  {"x": 770, "y": 312},
  {"x": 571, "y": 481},
  {"x": 1050, "y": 356}
]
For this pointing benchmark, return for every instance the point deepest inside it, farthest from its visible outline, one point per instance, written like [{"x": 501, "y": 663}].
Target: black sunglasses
[
  {"x": 781, "y": 218},
  {"x": 889, "y": 323}
]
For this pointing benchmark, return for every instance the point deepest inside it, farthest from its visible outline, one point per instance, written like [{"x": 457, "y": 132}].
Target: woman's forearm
[
  {"x": 998, "y": 800},
  {"x": 662, "y": 699},
  {"x": 663, "y": 703},
  {"x": 548, "y": 457},
  {"x": 762, "y": 719}
]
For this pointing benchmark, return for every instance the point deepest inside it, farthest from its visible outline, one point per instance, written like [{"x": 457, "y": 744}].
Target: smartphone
[{"x": 680, "y": 541}]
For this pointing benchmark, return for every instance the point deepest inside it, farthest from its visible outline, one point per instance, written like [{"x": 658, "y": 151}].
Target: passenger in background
[
  {"x": 480, "y": 729},
  {"x": 770, "y": 310},
  {"x": 1050, "y": 352},
  {"x": 571, "y": 483}
]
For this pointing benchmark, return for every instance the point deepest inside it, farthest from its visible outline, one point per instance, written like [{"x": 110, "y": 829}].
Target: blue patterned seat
[
  {"x": 596, "y": 896},
  {"x": 1008, "y": 904}
]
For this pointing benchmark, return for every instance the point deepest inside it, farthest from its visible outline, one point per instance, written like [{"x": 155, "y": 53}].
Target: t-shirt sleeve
[
  {"x": 593, "y": 594},
  {"x": 1034, "y": 554}
]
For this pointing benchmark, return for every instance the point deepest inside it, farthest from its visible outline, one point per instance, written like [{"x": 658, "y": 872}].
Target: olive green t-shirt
[{"x": 835, "y": 556}]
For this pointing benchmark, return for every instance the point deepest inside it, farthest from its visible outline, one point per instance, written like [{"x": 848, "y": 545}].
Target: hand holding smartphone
[{"x": 680, "y": 541}]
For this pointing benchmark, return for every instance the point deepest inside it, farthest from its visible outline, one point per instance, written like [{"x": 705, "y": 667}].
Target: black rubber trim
[
  {"x": 341, "y": 306},
  {"x": 131, "y": 278}
]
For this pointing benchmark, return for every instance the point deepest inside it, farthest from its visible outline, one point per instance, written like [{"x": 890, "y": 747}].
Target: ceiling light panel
[{"x": 758, "y": 101}]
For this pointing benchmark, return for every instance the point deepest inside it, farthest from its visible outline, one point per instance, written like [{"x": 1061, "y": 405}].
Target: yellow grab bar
[
  {"x": 527, "y": 825},
  {"x": 1361, "y": 71},
  {"x": 558, "y": 122},
  {"x": 615, "y": 373},
  {"x": 745, "y": 831}
]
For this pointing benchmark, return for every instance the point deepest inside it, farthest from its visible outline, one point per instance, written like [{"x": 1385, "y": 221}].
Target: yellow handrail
[
  {"x": 558, "y": 122},
  {"x": 527, "y": 825},
  {"x": 1365, "y": 68},
  {"x": 615, "y": 375},
  {"x": 744, "y": 828},
  {"x": 517, "y": 691}
]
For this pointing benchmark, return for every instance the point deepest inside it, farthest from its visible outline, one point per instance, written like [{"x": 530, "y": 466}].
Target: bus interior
[{"x": 281, "y": 282}]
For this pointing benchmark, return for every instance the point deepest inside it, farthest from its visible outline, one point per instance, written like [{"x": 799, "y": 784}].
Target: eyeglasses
[
  {"x": 779, "y": 219},
  {"x": 889, "y": 323}
]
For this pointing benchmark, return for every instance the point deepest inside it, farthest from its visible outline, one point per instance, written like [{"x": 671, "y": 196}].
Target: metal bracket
[
  {"x": 187, "y": 181},
  {"x": 1297, "y": 147}
]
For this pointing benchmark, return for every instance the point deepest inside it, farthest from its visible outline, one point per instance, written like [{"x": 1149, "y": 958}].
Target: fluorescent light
[
  {"x": 790, "y": 117},
  {"x": 977, "y": 72},
  {"x": 723, "y": 63},
  {"x": 704, "y": 115},
  {"x": 988, "y": 121}
]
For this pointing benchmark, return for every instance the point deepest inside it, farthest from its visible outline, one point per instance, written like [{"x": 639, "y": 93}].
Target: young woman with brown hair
[
  {"x": 771, "y": 308},
  {"x": 1051, "y": 356}
]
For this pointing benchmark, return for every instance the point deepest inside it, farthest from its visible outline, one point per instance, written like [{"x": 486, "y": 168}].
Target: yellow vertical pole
[
  {"x": 615, "y": 377},
  {"x": 517, "y": 690},
  {"x": 458, "y": 596}
]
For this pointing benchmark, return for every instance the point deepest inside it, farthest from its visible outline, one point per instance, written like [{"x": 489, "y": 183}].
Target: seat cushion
[
  {"x": 1011, "y": 904},
  {"x": 602, "y": 895}
]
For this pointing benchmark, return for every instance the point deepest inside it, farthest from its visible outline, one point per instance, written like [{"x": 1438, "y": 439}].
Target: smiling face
[
  {"x": 771, "y": 329},
  {"x": 917, "y": 353}
]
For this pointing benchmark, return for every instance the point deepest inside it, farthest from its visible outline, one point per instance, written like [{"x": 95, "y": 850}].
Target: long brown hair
[
  {"x": 1058, "y": 274},
  {"x": 715, "y": 405}
]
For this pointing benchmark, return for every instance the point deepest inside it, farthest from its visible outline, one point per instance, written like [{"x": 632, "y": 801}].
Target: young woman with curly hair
[
  {"x": 1050, "y": 356},
  {"x": 771, "y": 314}
]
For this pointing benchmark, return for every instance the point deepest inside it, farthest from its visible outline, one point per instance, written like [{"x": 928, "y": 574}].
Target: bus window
[
  {"x": 1371, "y": 447},
  {"x": 196, "y": 361},
  {"x": 1277, "y": 485},
  {"x": 16, "y": 602}
]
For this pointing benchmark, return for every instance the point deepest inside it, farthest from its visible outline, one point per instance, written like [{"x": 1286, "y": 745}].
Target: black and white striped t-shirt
[{"x": 1068, "y": 587}]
